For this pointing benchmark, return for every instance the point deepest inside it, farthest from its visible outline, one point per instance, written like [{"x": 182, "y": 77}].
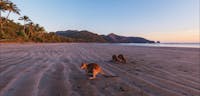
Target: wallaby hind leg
[
  {"x": 124, "y": 61},
  {"x": 93, "y": 75},
  {"x": 92, "y": 78}
]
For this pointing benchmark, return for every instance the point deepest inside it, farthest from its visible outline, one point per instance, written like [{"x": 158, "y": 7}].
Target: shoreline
[{"x": 114, "y": 44}]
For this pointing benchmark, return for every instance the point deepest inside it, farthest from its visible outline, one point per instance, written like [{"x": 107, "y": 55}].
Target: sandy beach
[{"x": 53, "y": 69}]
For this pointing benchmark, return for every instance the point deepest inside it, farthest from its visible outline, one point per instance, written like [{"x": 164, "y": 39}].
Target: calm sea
[{"x": 190, "y": 45}]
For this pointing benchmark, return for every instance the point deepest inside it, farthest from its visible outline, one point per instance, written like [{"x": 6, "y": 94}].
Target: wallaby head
[{"x": 84, "y": 66}]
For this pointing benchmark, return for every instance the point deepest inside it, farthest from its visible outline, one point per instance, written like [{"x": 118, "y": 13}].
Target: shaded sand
[{"x": 53, "y": 70}]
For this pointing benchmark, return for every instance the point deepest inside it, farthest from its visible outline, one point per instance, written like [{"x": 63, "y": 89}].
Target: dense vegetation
[
  {"x": 11, "y": 31},
  {"x": 15, "y": 32}
]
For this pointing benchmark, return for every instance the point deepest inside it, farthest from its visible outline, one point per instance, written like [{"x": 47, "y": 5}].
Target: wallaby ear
[
  {"x": 120, "y": 55},
  {"x": 83, "y": 63}
]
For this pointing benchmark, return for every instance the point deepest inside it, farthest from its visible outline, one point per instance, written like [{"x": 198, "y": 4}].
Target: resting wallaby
[
  {"x": 93, "y": 69},
  {"x": 121, "y": 58},
  {"x": 115, "y": 58}
]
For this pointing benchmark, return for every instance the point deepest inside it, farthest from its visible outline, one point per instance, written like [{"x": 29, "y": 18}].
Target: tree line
[{"x": 28, "y": 32}]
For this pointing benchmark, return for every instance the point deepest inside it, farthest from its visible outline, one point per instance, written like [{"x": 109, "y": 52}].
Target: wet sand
[{"x": 54, "y": 70}]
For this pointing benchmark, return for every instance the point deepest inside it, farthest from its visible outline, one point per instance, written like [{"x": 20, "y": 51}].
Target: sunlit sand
[{"x": 54, "y": 70}]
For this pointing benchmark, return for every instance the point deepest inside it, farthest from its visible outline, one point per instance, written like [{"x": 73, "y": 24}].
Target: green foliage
[
  {"x": 37, "y": 39},
  {"x": 33, "y": 33},
  {"x": 22, "y": 34}
]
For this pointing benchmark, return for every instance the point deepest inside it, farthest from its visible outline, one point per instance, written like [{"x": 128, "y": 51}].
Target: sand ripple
[{"x": 53, "y": 70}]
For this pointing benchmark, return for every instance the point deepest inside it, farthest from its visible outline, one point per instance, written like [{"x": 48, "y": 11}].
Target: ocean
[{"x": 187, "y": 45}]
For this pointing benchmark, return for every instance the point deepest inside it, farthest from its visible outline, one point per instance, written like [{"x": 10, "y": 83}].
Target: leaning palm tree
[
  {"x": 11, "y": 7},
  {"x": 3, "y": 6},
  {"x": 6, "y": 5},
  {"x": 25, "y": 19}
]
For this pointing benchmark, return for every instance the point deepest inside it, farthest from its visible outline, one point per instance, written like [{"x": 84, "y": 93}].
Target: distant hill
[
  {"x": 113, "y": 38},
  {"x": 86, "y": 36},
  {"x": 81, "y": 36}
]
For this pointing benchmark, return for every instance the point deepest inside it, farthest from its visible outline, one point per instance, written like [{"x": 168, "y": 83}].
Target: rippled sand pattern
[{"x": 53, "y": 70}]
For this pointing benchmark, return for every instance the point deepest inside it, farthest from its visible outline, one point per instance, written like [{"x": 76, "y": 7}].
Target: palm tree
[
  {"x": 30, "y": 29},
  {"x": 41, "y": 29},
  {"x": 25, "y": 19},
  {"x": 2, "y": 8},
  {"x": 38, "y": 28},
  {"x": 11, "y": 7},
  {"x": 3, "y": 5},
  {"x": 6, "y": 5}
]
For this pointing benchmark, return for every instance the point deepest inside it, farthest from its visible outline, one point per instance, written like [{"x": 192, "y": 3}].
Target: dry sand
[{"x": 53, "y": 70}]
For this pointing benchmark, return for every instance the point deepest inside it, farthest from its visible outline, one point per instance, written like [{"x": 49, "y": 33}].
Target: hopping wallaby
[{"x": 92, "y": 69}]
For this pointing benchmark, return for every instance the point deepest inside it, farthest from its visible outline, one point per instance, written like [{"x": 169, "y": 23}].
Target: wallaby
[
  {"x": 93, "y": 69},
  {"x": 115, "y": 58},
  {"x": 121, "y": 58}
]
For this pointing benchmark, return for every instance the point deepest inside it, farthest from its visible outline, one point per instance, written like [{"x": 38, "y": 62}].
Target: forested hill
[{"x": 87, "y": 36}]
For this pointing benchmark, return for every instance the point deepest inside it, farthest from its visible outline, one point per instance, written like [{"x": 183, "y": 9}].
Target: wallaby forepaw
[{"x": 91, "y": 78}]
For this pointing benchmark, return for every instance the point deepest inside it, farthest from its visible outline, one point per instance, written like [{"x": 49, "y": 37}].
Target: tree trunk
[
  {"x": 8, "y": 15},
  {"x": 0, "y": 22},
  {"x": 30, "y": 30},
  {"x": 24, "y": 27},
  {"x": 0, "y": 16}
]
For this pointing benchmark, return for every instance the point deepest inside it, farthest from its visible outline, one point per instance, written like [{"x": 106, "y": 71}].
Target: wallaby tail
[{"x": 107, "y": 76}]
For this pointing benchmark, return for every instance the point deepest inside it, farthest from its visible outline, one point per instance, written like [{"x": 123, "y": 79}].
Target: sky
[{"x": 158, "y": 20}]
